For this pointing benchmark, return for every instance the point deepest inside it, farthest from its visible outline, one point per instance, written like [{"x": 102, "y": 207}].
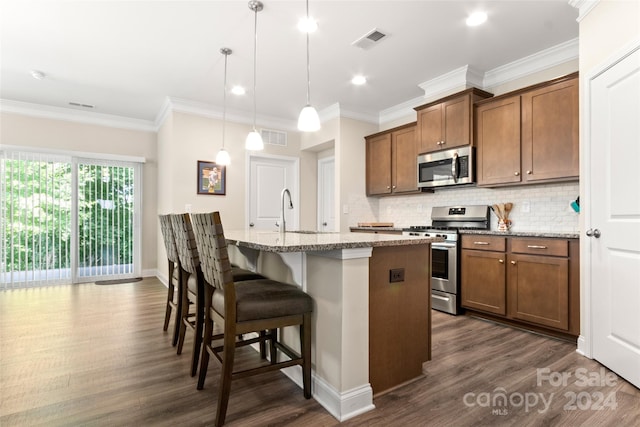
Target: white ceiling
[{"x": 127, "y": 57}]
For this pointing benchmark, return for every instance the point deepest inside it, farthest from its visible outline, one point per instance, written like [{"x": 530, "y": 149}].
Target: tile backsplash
[{"x": 549, "y": 206}]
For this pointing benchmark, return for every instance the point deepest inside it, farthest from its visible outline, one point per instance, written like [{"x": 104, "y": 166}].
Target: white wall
[
  {"x": 27, "y": 131},
  {"x": 183, "y": 139}
]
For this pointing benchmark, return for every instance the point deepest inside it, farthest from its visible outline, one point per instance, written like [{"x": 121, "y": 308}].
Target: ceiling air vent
[
  {"x": 370, "y": 39},
  {"x": 274, "y": 137}
]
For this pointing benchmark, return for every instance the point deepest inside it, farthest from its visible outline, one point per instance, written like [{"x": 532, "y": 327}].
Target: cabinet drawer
[
  {"x": 551, "y": 247},
  {"x": 485, "y": 243}
]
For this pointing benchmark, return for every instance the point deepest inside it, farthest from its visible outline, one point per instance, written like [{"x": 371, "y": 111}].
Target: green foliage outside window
[{"x": 37, "y": 215}]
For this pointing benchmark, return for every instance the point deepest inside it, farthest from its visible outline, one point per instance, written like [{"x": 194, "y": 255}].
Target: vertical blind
[{"x": 67, "y": 220}]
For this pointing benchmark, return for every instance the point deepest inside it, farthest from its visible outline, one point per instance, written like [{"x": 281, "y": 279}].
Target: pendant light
[
  {"x": 254, "y": 140},
  {"x": 223, "y": 155},
  {"x": 308, "y": 121}
]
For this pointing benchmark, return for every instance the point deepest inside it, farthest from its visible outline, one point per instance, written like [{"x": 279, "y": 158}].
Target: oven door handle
[
  {"x": 440, "y": 245},
  {"x": 440, "y": 297}
]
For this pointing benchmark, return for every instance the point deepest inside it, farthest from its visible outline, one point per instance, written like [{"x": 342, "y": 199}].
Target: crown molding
[
  {"x": 400, "y": 111},
  {"x": 584, "y": 7},
  {"x": 202, "y": 109},
  {"x": 336, "y": 110},
  {"x": 539, "y": 61},
  {"x": 468, "y": 76},
  {"x": 464, "y": 76},
  {"x": 71, "y": 115}
]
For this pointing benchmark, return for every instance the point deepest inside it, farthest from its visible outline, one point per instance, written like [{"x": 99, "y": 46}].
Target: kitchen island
[{"x": 367, "y": 289}]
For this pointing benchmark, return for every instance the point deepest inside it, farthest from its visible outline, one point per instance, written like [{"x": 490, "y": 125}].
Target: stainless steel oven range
[{"x": 445, "y": 256}]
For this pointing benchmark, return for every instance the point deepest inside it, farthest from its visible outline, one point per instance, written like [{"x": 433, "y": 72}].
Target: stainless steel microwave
[{"x": 446, "y": 168}]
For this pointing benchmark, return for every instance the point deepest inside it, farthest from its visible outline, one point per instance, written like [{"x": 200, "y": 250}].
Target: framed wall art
[{"x": 212, "y": 178}]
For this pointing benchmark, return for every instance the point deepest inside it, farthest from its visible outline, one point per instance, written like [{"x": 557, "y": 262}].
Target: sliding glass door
[{"x": 67, "y": 220}]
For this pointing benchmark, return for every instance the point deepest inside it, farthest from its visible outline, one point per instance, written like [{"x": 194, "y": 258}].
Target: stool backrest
[
  {"x": 185, "y": 242},
  {"x": 169, "y": 239},
  {"x": 214, "y": 257}
]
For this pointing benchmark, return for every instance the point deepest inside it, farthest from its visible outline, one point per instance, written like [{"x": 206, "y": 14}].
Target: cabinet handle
[
  {"x": 394, "y": 187},
  {"x": 516, "y": 173},
  {"x": 501, "y": 261},
  {"x": 439, "y": 143},
  {"x": 528, "y": 172},
  {"x": 536, "y": 247},
  {"x": 513, "y": 262},
  {"x": 480, "y": 243},
  {"x": 443, "y": 142},
  {"x": 388, "y": 188}
]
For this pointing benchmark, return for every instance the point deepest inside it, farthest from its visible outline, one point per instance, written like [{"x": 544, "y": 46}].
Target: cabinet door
[
  {"x": 498, "y": 142},
  {"x": 404, "y": 166},
  {"x": 539, "y": 290},
  {"x": 483, "y": 279},
  {"x": 430, "y": 128},
  {"x": 379, "y": 164},
  {"x": 457, "y": 122},
  {"x": 550, "y": 132}
]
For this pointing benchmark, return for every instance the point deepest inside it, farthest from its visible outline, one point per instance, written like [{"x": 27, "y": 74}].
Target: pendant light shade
[
  {"x": 254, "y": 140},
  {"x": 223, "y": 158},
  {"x": 308, "y": 121}
]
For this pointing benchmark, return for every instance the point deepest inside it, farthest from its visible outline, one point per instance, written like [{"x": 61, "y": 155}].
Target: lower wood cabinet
[
  {"x": 484, "y": 281},
  {"x": 529, "y": 281}
]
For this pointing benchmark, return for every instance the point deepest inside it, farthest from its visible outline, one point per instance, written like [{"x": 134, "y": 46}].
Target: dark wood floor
[{"x": 89, "y": 355}]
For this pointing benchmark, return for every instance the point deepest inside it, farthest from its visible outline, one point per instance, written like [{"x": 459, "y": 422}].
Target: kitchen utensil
[
  {"x": 507, "y": 209},
  {"x": 496, "y": 210}
]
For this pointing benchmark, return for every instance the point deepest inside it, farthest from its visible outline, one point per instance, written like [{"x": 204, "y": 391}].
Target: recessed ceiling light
[
  {"x": 307, "y": 25},
  {"x": 476, "y": 19},
  {"x": 238, "y": 90},
  {"x": 38, "y": 75},
  {"x": 359, "y": 80}
]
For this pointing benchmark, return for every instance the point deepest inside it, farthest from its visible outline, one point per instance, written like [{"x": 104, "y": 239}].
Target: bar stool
[
  {"x": 192, "y": 285},
  {"x": 173, "y": 297},
  {"x": 245, "y": 307}
]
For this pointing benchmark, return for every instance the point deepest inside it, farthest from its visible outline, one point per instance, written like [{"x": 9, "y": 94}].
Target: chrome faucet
[{"x": 282, "y": 226}]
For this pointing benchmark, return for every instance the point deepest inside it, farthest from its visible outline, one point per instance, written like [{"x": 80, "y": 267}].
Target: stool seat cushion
[
  {"x": 240, "y": 274},
  {"x": 265, "y": 299}
]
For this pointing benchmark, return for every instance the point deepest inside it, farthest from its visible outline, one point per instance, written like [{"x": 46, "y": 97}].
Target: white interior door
[
  {"x": 614, "y": 216},
  {"x": 326, "y": 194},
  {"x": 268, "y": 176}
]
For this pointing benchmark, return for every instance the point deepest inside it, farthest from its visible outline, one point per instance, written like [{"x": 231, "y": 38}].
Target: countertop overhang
[
  {"x": 305, "y": 241},
  {"x": 542, "y": 234}
]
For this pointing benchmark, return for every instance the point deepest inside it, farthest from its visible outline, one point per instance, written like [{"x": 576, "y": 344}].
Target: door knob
[
  {"x": 594, "y": 233},
  {"x": 251, "y": 224}
]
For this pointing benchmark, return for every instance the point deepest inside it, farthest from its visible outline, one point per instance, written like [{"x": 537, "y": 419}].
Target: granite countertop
[
  {"x": 556, "y": 235},
  {"x": 292, "y": 241},
  {"x": 376, "y": 228}
]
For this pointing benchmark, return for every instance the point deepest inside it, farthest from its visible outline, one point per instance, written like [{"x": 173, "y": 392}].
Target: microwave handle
[{"x": 454, "y": 167}]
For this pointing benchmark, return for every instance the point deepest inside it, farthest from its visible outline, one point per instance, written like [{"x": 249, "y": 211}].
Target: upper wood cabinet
[
  {"x": 448, "y": 122},
  {"x": 529, "y": 136},
  {"x": 392, "y": 161}
]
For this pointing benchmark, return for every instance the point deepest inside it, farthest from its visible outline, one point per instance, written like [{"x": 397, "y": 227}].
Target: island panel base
[{"x": 399, "y": 315}]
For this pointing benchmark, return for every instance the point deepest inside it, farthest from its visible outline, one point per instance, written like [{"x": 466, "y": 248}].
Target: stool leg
[
  {"x": 170, "y": 290},
  {"x": 184, "y": 311},
  {"x": 305, "y": 342},
  {"x": 225, "y": 377},
  {"x": 178, "y": 314},
  {"x": 207, "y": 339},
  {"x": 197, "y": 339}
]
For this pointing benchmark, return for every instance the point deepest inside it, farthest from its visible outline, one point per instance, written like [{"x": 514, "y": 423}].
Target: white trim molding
[
  {"x": 342, "y": 406},
  {"x": 584, "y": 7},
  {"x": 72, "y": 115}
]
